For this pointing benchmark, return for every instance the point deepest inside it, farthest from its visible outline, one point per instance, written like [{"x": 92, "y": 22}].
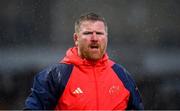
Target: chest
[{"x": 93, "y": 89}]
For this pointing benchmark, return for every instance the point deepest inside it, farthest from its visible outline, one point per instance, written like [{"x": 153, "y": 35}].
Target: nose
[{"x": 94, "y": 37}]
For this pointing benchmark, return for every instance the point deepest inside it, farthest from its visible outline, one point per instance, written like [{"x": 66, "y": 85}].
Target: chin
[{"x": 95, "y": 58}]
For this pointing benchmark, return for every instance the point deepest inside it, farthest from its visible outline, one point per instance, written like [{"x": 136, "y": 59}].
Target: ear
[{"x": 75, "y": 37}]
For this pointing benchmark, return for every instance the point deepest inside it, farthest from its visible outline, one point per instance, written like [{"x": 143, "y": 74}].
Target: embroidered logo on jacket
[{"x": 114, "y": 89}]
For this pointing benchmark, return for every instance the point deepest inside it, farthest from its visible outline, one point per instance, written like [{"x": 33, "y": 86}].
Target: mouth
[{"x": 94, "y": 46}]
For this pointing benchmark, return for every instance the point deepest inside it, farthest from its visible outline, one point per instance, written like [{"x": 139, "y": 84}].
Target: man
[{"x": 85, "y": 78}]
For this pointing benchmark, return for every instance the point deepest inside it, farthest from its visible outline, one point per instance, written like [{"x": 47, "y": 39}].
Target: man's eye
[
  {"x": 99, "y": 33},
  {"x": 87, "y": 33}
]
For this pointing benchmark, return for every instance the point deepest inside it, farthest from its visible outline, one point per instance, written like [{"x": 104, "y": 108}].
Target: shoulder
[
  {"x": 114, "y": 64},
  {"x": 55, "y": 75},
  {"x": 123, "y": 75},
  {"x": 118, "y": 68},
  {"x": 55, "y": 71},
  {"x": 57, "y": 67}
]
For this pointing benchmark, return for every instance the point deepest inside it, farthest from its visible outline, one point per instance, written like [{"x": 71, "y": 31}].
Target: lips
[{"x": 94, "y": 46}]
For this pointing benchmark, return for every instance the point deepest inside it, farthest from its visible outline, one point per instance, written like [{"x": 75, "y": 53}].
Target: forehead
[{"x": 90, "y": 25}]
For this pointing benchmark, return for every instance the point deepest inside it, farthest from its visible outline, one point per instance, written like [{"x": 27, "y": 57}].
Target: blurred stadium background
[{"x": 144, "y": 36}]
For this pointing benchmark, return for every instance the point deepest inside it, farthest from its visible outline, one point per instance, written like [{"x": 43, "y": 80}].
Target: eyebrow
[{"x": 90, "y": 32}]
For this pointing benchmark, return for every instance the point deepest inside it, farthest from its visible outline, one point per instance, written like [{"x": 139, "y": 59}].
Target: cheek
[
  {"x": 86, "y": 39},
  {"x": 83, "y": 42},
  {"x": 103, "y": 41}
]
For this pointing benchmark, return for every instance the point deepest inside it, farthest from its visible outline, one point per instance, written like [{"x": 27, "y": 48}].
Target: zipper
[{"x": 96, "y": 88}]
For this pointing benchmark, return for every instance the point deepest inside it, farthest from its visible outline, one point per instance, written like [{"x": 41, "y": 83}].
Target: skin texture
[{"x": 91, "y": 40}]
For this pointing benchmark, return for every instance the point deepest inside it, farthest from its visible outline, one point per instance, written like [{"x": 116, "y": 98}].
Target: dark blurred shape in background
[{"x": 143, "y": 37}]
